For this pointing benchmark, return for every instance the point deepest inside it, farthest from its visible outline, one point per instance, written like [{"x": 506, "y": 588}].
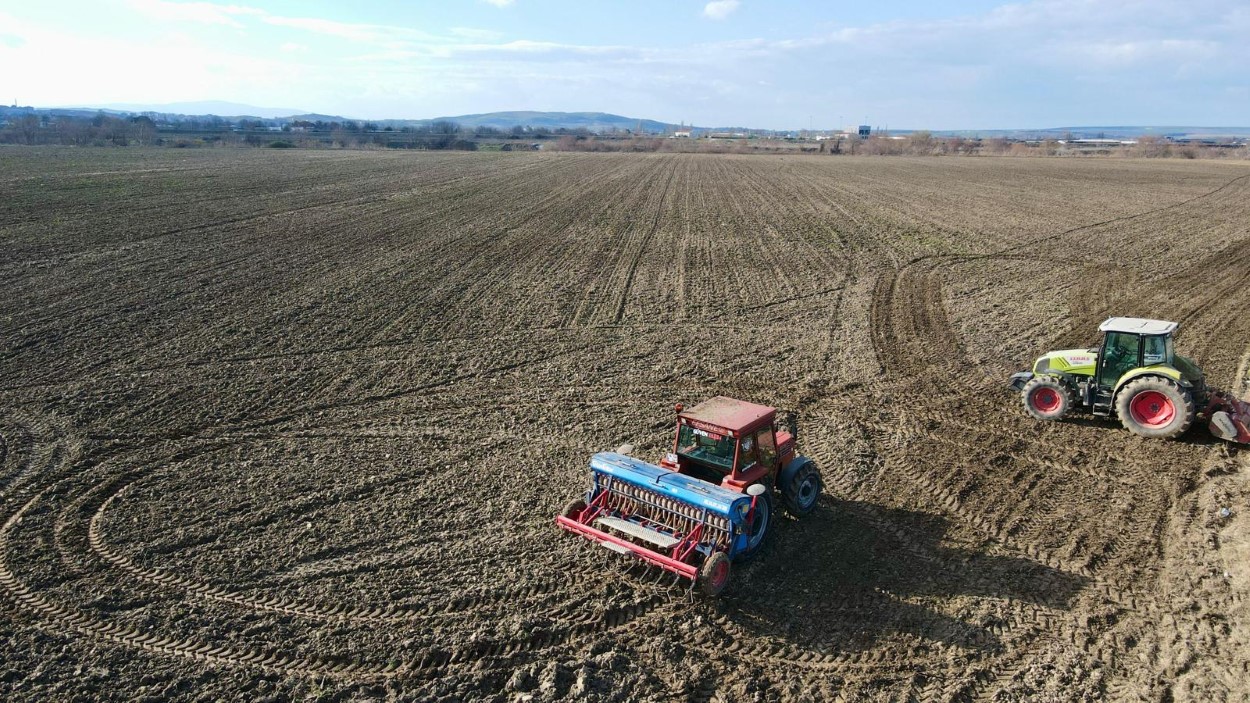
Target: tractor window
[
  {"x": 1119, "y": 356},
  {"x": 1156, "y": 350},
  {"x": 767, "y": 446},
  {"x": 748, "y": 453},
  {"x": 707, "y": 447}
]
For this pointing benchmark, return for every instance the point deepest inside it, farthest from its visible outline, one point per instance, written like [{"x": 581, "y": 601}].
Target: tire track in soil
[
  {"x": 930, "y": 317},
  {"x": 926, "y": 321},
  {"x": 632, "y": 270},
  {"x": 575, "y": 621},
  {"x": 465, "y": 603},
  {"x": 40, "y": 451},
  {"x": 468, "y": 601},
  {"x": 320, "y": 408},
  {"x": 1133, "y": 608},
  {"x": 1000, "y": 673},
  {"x": 1026, "y": 621},
  {"x": 910, "y": 330},
  {"x": 921, "y": 326}
]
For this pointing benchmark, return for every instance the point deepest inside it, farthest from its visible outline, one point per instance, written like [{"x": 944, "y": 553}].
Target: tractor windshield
[{"x": 710, "y": 448}]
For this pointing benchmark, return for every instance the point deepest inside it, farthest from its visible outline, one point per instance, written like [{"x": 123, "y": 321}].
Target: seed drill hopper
[{"x": 708, "y": 503}]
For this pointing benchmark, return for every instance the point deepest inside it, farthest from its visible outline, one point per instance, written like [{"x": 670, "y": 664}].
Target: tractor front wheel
[
  {"x": 714, "y": 574},
  {"x": 1048, "y": 398},
  {"x": 1155, "y": 407}
]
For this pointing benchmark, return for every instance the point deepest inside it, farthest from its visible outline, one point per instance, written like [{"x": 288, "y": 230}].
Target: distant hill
[
  {"x": 593, "y": 121},
  {"x": 218, "y": 108}
]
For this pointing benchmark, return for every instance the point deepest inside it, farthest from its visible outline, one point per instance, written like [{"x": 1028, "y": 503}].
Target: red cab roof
[{"x": 730, "y": 414}]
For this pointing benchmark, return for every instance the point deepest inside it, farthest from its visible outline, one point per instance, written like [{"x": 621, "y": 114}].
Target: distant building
[{"x": 681, "y": 135}]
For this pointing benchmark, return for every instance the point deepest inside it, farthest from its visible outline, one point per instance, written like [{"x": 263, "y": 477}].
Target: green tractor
[{"x": 1136, "y": 375}]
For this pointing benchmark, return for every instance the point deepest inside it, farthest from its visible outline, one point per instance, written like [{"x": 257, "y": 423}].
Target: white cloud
[
  {"x": 215, "y": 13},
  {"x": 199, "y": 12},
  {"x": 476, "y": 34},
  {"x": 720, "y": 9},
  {"x": 342, "y": 30},
  {"x": 177, "y": 67},
  {"x": 525, "y": 46},
  {"x": 500, "y": 3}
]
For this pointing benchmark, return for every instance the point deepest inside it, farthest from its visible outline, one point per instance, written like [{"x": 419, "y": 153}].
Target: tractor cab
[
  {"x": 1129, "y": 344},
  {"x": 729, "y": 442}
]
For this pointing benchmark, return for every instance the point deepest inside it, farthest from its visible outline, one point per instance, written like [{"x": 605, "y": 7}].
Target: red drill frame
[{"x": 675, "y": 562}]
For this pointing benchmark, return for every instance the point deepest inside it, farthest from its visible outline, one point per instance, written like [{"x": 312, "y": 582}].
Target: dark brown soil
[{"x": 296, "y": 425}]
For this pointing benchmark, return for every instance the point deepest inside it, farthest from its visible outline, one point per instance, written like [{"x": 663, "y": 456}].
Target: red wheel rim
[
  {"x": 720, "y": 573},
  {"x": 1046, "y": 399},
  {"x": 1152, "y": 409}
]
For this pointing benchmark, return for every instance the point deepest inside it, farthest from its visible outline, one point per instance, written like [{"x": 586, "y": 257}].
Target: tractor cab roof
[
  {"x": 727, "y": 413},
  {"x": 1137, "y": 325}
]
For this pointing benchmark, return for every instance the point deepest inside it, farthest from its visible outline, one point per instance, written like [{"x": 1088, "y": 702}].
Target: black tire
[
  {"x": 714, "y": 574},
  {"x": 801, "y": 492},
  {"x": 1048, "y": 398},
  {"x": 573, "y": 508},
  {"x": 1155, "y": 407},
  {"x": 758, "y": 530}
]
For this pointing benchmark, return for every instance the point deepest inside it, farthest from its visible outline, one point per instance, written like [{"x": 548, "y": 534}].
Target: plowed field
[{"x": 285, "y": 425}]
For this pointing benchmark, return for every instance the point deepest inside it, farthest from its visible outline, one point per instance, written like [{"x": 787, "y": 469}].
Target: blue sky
[{"x": 783, "y": 64}]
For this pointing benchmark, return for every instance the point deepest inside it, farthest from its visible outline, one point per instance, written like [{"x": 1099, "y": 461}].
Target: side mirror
[{"x": 756, "y": 490}]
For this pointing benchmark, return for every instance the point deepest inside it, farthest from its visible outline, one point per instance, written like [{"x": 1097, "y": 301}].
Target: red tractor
[{"x": 709, "y": 502}]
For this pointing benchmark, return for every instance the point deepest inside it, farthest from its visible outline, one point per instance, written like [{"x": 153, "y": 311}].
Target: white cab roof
[{"x": 1137, "y": 325}]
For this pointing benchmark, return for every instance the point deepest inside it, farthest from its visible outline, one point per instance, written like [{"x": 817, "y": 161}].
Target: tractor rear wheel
[
  {"x": 573, "y": 509},
  {"x": 1156, "y": 407},
  {"x": 801, "y": 492},
  {"x": 714, "y": 574},
  {"x": 1048, "y": 398}
]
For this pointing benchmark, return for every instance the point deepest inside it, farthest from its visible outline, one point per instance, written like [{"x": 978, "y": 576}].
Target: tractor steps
[{"x": 633, "y": 529}]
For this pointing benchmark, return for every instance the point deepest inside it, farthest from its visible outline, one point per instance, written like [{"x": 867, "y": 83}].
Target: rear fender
[
  {"x": 790, "y": 470},
  {"x": 1020, "y": 378},
  {"x": 1161, "y": 370}
]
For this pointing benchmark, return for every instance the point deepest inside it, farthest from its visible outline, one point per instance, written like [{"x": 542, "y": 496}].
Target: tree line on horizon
[{"x": 104, "y": 130}]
